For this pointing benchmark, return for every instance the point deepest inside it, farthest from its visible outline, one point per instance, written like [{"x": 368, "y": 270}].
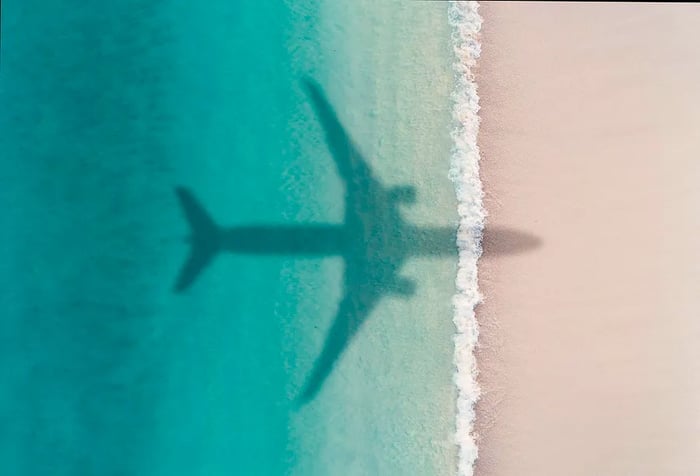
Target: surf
[{"x": 465, "y": 22}]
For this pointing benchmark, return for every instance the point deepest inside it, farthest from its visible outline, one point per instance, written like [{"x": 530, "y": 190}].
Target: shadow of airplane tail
[{"x": 205, "y": 239}]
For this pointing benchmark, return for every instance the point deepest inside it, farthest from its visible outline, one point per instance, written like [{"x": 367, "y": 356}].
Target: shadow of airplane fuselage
[{"x": 374, "y": 241}]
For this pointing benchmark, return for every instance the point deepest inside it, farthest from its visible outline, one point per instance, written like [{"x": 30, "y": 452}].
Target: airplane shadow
[
  {"x": 374, "y": 241},
  {"x": 500, "y": 241}
]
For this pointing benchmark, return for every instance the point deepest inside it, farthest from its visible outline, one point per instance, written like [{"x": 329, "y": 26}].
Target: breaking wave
[{"x": 464, "y": 173}]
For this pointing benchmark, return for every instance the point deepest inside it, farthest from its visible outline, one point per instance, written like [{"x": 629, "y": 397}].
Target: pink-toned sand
[{"x": 590, "y": 140}]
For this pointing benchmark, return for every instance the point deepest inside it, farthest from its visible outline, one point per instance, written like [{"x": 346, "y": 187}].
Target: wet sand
[{"x": 590, "y": 139}]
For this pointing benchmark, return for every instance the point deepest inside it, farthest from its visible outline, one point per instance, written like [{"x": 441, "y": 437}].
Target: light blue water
[{"x": 104, "y": 109}]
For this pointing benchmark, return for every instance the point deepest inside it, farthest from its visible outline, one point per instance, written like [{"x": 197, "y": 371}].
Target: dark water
[{"x": 105, "y": 108}]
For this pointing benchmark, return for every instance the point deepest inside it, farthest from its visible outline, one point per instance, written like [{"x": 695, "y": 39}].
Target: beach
[{"x": 588, "y": 353}]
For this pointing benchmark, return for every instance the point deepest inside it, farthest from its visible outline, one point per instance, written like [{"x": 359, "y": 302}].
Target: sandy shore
[{"x": 590, "y": 138}]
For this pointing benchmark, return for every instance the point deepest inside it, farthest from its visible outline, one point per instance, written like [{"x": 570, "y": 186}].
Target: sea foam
[{"x": 464, "y": 172}]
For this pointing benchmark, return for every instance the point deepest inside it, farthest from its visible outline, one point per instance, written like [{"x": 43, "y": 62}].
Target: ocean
[{"x": 107, "y": 111}]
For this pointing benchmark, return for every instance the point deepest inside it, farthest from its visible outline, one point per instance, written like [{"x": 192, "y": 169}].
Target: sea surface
[{"x": 106, "y": 108}]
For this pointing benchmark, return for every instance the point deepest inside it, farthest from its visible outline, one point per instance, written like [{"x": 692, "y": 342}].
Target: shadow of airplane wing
[
  {"x": 352, "y": 167},
  {"x": 353, "y": 310}
]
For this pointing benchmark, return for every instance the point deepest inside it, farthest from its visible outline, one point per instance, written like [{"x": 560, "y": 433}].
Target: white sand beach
[{"x": 589, "y": 355}]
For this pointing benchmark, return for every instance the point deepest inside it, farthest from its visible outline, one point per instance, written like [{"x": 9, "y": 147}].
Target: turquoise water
[{"x": 103, "y": 369}]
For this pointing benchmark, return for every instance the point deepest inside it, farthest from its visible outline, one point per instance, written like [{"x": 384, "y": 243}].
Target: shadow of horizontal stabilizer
[{"x": 204, "y": 239}]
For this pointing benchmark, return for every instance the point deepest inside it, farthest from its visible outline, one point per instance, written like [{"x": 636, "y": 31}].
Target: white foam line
[{"x": 464, "y": 173}]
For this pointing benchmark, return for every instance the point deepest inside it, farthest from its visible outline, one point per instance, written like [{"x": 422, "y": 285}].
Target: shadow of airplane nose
[{"x": 498, "y": 241}]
